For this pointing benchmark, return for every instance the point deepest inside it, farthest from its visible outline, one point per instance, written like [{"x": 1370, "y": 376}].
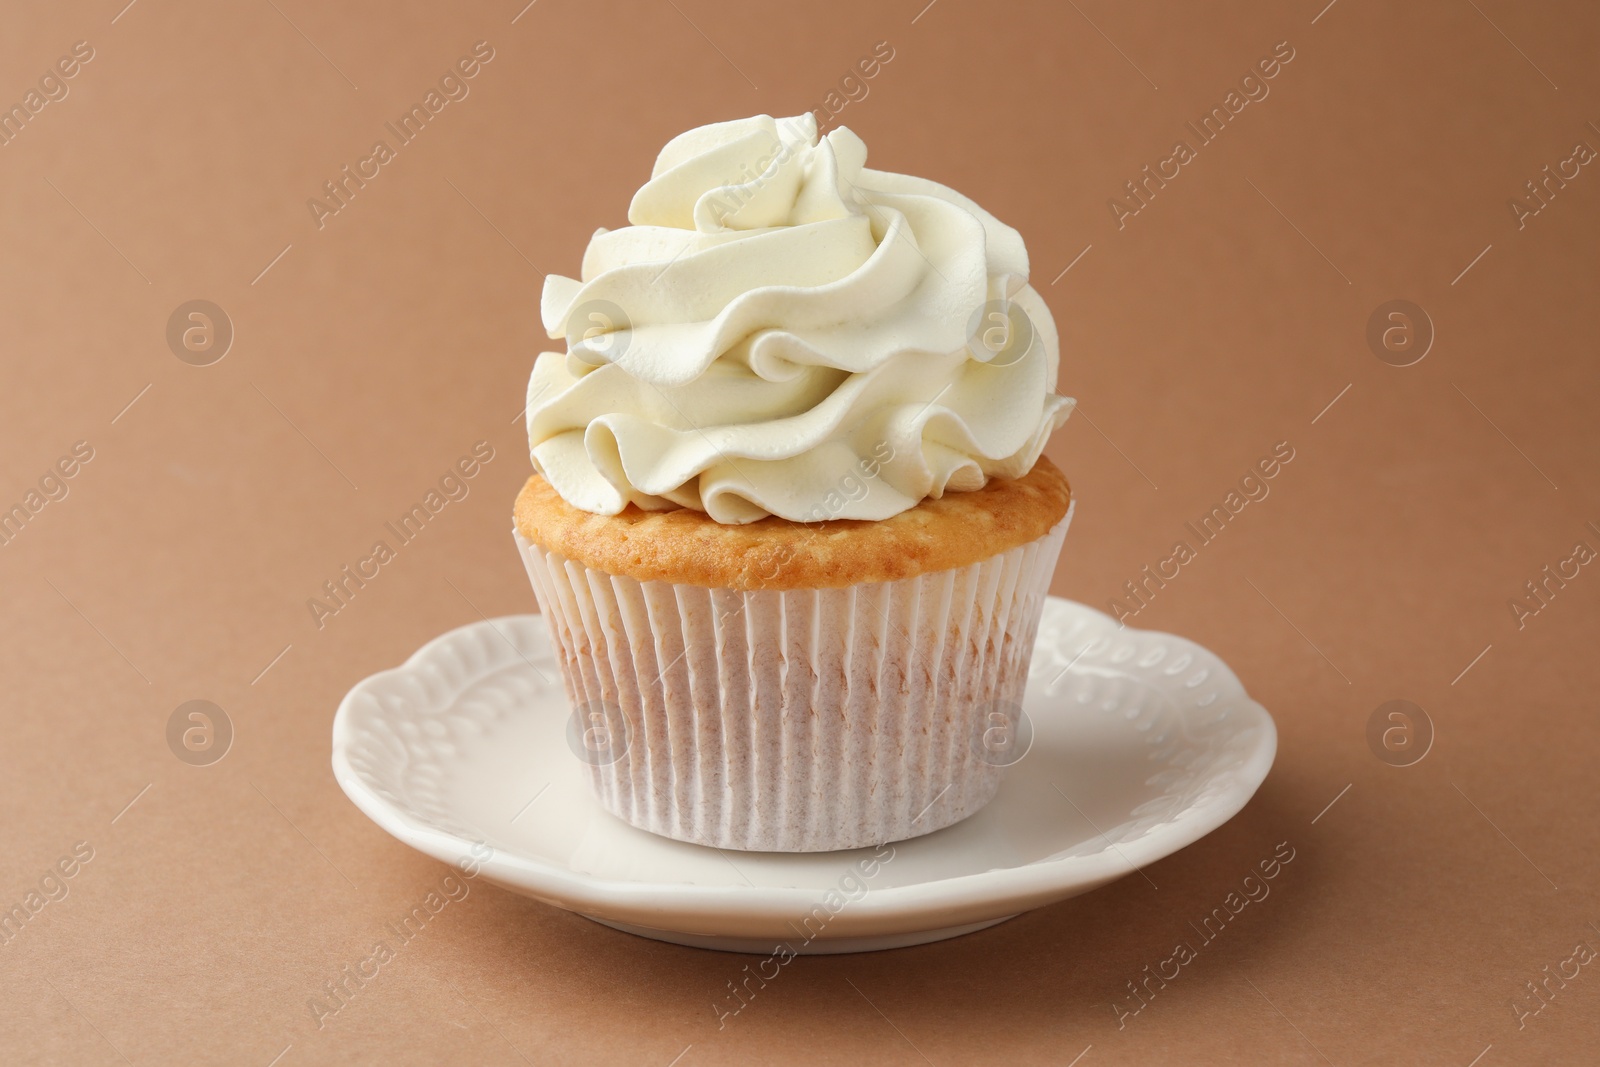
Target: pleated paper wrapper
[{"x": 796, "y": 720}]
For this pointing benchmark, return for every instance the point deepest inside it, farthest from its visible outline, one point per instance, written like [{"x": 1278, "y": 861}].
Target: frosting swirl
[{"x": 784, "y": 331}]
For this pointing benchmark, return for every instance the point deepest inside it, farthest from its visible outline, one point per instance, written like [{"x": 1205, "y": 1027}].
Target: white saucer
[{"x": 1144, "y": 743}]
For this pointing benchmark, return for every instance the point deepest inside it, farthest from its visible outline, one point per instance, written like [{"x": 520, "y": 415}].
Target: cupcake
[{"x": 789, "y": 524}]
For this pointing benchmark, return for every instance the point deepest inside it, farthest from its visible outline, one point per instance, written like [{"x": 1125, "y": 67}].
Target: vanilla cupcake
[{"x": 790, "y": 526}]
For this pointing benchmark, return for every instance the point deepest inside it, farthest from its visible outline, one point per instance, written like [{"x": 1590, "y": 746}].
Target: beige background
[{"x": 1221, "y": 320}]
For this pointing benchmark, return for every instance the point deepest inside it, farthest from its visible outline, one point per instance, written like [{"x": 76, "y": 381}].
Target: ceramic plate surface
[{"x": 1142, "y": 743}]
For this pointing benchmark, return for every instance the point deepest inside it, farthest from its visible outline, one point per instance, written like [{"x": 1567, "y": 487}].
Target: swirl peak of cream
[{"x": 782, "y": 331}]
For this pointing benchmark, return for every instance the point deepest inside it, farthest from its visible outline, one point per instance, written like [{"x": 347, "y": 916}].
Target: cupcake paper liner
[{"x": 795, "y": 720}]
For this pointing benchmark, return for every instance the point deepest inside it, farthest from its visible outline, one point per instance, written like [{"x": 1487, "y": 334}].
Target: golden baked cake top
[{"x": 687, "y": 546}]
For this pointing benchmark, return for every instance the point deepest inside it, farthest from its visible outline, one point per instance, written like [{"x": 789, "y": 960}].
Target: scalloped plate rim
[{"x": 995, "y": 892}]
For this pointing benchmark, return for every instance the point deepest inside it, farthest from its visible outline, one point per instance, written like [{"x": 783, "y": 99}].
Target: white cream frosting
[{"x": 784, "y": 331}]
